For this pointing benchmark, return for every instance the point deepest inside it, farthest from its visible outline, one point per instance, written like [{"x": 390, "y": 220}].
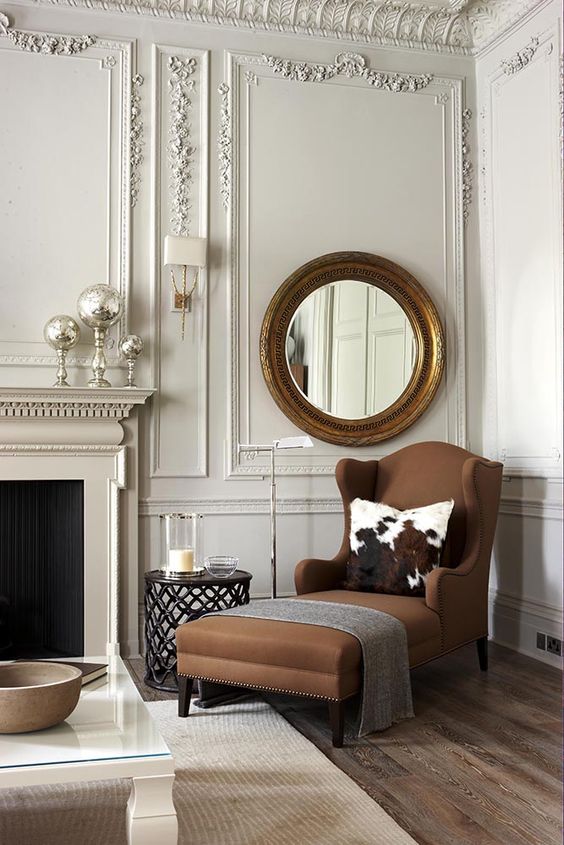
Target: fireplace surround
[{"x": 89, "y": 435}]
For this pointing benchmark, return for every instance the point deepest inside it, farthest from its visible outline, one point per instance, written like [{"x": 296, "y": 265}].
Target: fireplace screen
[{"x": 41, "y": 569}]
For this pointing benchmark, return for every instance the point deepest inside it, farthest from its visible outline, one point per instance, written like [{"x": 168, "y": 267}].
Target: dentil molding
[
  {"x": 75, "y": 403},
  {"x": 461, "y": 27}
]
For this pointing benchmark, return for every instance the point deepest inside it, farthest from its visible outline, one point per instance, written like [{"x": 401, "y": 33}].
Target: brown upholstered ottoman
[{"x": 263, "y": 654}]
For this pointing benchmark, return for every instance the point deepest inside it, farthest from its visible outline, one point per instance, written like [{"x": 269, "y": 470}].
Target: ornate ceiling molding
[{"x": 460, "y": 26}]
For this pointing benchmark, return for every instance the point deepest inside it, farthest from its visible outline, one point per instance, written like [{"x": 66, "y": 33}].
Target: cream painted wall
[
  {"x": 332, "y": 165},
  {"x": 521, "y": 237}
]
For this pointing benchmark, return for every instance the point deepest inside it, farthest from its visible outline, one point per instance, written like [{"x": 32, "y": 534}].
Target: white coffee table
[{"x": 110, "y": 735}]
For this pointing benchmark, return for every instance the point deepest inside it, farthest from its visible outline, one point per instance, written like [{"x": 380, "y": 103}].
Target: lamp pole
[{"x": 271, "y": 448}]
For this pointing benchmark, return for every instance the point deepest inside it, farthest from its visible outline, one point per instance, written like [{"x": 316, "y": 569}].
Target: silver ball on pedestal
[
  {"x": 131, "y": 347},
  {"x": 62, "y": 333},
  {"x": 100, "y": 307}
]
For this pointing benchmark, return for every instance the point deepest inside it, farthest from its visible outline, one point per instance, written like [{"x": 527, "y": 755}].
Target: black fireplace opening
[{"x": 41, "y": 569}]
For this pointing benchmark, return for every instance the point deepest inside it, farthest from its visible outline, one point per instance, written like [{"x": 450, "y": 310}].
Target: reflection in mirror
[{"x": 350, "y": 349}]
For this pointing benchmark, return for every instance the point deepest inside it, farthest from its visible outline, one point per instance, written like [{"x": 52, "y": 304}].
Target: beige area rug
[{"x": 244, "y": 776}]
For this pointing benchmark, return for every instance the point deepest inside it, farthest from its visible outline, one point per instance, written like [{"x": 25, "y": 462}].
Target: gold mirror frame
[{"x": 425, "y": 324}]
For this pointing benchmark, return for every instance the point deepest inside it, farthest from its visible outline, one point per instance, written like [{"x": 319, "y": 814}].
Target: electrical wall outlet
[
  {"x": 554, "y": 645},
  {"x": 541, "y": 641}
]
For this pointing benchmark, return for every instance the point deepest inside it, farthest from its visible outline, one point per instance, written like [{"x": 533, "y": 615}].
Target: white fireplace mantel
[{"x": 76, "y": 433}]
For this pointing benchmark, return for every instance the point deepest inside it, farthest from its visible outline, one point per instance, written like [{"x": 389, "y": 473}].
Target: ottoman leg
[
  {"x": 337, "y": 718},
  {"x": 184, "y": 694}
]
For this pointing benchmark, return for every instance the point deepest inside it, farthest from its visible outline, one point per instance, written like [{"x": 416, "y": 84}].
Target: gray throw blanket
[{"x": 386, "y": 693}]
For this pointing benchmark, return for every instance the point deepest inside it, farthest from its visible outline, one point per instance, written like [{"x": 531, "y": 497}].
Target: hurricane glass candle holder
[{"x": 182, "y": 543}]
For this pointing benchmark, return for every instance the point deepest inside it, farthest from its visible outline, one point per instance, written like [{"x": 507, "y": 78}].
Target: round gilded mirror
[{"x": 352, "y": 348}]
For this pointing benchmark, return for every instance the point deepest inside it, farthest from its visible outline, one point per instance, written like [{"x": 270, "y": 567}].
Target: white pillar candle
[{"x": 181, "y": 560}]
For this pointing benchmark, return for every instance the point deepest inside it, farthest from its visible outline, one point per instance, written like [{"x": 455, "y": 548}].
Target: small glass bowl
[{"x": 221, "y": 566}]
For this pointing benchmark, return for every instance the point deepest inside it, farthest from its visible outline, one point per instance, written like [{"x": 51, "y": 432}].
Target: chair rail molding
[
  {"x": 124, "y": 129},
  {"x": 248, "y": 71},
  {"x": 179, "y": 180},
  {"x": 461, "y": 27}
]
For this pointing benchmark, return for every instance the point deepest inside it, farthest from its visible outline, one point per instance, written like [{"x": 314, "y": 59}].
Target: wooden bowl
[{"x": 38, "y": 695}]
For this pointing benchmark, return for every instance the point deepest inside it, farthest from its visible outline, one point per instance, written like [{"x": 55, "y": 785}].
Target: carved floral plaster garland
[
  {"x": 520, "y": 59},
  {"x": 180, "y": 149},
  {"x": 55, "y": 45},
  {"x": 350, "y": 65},
  {"x": 136, "y": 142},
  {"x": 224, "y": 145}
]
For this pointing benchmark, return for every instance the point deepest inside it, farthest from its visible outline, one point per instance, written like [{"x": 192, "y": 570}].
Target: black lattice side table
[{"x": 171, "y": 601}]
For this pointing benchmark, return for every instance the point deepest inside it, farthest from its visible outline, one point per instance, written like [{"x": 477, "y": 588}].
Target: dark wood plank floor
[{"x": 480, "y": 764}]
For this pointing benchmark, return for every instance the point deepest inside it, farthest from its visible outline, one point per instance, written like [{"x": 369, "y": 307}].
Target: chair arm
[
  {"x": 313, "y": 575},
  {"x": 460, "y": 597}
]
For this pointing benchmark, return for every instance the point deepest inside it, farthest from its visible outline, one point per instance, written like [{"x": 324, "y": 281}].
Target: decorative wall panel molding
[
  {"x": 444, "y": 93},
  {"x": 54, "y": 45},
  {"x": 351, "y": 65},
  {"x": 180, "y": 150},
  {"x": 461, "y": 28},
  {"x": 179, "y": 167},
  {"x": 118, "y": 124},
  {"x": 249, "y": 507},
  {"x": 224, "y": 146},
  {"x": 136, "y": 141},
  {"x": 520, "y": 59}
]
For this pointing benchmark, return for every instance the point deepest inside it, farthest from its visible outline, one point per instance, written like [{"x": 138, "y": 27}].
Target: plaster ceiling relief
[{"x": 452, "y": 26}]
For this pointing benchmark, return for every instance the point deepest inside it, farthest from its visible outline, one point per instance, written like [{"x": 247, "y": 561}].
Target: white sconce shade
[
  {"x": 304, "y": 442},
  {"x": 188, "y": 252}
]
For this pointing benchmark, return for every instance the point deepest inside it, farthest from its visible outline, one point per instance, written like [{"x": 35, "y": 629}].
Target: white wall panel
[
  {"x": 65, "y": 202},
  {"x": 521, "y": 232},
  {"x": 180, "y": 192},
  {"x": 336, "y": 165}
]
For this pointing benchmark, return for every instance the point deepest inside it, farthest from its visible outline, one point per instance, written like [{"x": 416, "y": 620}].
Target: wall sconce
[
  {"x": 302, "y": 442},
  {"x": 186, "y": 252}
]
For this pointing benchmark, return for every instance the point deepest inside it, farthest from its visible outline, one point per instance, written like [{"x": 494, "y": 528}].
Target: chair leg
[
  {"x": 337, "y": 719},
  {"x": 482, "y": 645},
  {"x": 184, "y": 694}
]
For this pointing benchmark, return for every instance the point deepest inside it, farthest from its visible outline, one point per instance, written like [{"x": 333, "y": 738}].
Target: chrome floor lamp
[{"x": 303, "y": 442}]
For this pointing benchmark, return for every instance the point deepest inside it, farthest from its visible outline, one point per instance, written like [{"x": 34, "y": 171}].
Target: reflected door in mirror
[{"x": 355, "y": 343}]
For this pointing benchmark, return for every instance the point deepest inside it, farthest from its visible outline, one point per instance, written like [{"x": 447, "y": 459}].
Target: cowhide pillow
[{"x": 393, "y": 551}]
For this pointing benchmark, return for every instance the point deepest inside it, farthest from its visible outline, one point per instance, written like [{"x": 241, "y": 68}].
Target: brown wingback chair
[
  {"x": 326, "y": 663},
  {"x": 457, "y": 592}
]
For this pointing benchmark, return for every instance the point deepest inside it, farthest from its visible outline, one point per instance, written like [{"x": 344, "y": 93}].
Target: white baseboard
[{"x": 514, "y": 622}]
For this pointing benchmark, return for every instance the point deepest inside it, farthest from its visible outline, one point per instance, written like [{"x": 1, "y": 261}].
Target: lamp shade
[{"x": 190, "y": 252}]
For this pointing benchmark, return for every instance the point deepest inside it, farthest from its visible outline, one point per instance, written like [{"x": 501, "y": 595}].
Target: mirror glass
[{"x": 350, "y": 349}]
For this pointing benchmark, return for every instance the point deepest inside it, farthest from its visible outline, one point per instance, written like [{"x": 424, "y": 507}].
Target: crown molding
[{"x": 454, "y": 26}]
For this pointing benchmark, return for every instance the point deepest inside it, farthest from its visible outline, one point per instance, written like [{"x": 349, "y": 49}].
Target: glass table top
[{"x": 110, "y": 722}]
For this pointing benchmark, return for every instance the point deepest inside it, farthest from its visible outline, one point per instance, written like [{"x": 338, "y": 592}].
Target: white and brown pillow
[{"x": 393, "y": 551}]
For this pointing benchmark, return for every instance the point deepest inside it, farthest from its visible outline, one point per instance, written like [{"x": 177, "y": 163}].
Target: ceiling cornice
[{"x": 451, "y": 26}]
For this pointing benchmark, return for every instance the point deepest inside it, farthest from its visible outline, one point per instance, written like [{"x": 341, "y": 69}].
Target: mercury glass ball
[
  {"x": 100, "y": 306},
  {"x": 62, "y": 332},
  {"x": 131, "y": 346}
]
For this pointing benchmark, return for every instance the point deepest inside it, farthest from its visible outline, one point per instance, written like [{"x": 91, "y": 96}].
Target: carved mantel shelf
[{"x": 113, "y": 403}]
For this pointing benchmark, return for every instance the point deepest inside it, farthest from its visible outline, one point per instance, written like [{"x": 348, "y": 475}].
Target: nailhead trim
[{"x": 259, "y": 687}]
